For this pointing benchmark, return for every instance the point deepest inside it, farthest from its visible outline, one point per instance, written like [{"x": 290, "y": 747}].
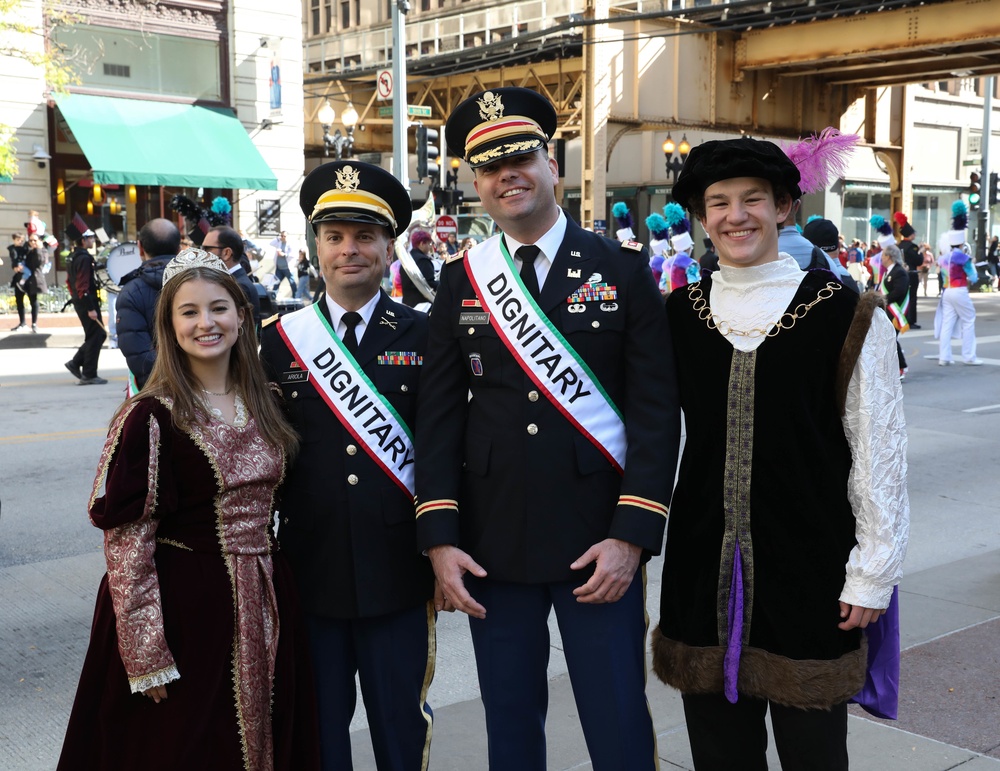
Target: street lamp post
[
  {"x": 340, "y": 142},
  {"x": 674, "y": 163},
  {"x": 451, "y": 179}
]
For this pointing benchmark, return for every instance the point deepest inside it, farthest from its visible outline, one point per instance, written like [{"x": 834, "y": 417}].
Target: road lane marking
[
  {"x": 983, "y": 409},
  {"x": 53, "y": 436}
]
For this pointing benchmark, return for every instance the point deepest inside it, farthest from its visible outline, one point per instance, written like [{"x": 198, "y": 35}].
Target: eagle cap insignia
[
  {"x": 348, "y": 178},
  {"x": 490, "y": 106}
]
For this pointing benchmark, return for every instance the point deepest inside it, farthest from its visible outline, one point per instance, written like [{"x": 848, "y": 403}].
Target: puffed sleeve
[
  {"x": 129, "y": 472},
  {"x": 876, "y": 432}
]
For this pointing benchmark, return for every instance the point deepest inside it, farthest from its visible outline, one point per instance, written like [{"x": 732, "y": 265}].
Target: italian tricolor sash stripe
[
  {"x": 543, "y": 353},
  {"x": 358, "y": 405}
]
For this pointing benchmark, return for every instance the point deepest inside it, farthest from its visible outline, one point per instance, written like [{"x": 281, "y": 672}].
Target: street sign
[
  {"x": 383, "y": 85},
  {"x": 413, "y": 110},
  {"x": 444, "y": 226}
]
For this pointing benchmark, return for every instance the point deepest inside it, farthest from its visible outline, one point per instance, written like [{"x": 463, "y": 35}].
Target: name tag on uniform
[
  {"x": 473, "y": 318},
  {"x": 299, "y": 376}
]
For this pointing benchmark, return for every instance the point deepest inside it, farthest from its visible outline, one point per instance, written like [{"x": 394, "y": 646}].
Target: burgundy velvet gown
[{"x": 196, "y": 598}]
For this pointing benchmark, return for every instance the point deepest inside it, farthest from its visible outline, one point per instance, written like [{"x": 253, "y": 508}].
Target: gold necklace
[
  {"x": 213, "y": 393},
  {"x": 785, "y": 321}
]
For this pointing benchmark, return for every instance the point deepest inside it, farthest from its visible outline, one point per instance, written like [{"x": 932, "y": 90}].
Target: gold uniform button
[
  {"x": 532, "y": 396},
  {"x": 352, "y": 450},
  {"x": 295, "y": 394},
  {"x": 532, "y": 429},
  {"x": 472, "y": 330},
  {"x": 352, "y": 479},
  {"x": 284, "y": 521},
  {"x": 595, "y": 324},
  {"x": 404, "y": 388}
]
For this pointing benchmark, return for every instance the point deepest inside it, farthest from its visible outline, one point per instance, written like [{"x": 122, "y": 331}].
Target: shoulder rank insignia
[
  {"x": 455, "y": 256},
  {"x": 634, "y": 246},
  {"x": 270, "y": 320}
]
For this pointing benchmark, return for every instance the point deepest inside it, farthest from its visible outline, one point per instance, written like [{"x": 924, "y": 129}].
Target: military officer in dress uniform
[
  {"x": 548, "y": 487},
  {"x": 349, "y": 368}
]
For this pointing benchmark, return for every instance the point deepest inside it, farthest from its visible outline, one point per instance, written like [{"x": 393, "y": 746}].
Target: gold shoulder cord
[{"x": 785, "y": 321}]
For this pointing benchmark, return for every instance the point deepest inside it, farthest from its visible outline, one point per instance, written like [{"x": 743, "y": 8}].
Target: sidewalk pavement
[{"x": 949, "y": 692}]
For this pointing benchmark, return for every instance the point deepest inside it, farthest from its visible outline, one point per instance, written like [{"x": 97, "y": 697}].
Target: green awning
[{"x": 141, "y": 142}]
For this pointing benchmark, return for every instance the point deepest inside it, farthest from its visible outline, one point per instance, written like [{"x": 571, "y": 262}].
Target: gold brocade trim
[
  {"x": 105, "y": 462},
  {"x": 502, "y": 150},
  {"x": 736, "y": 492},
  {"x": 425, "y": 757},
  {"x": 172, "y": 542},
  {"x": 785, "y": 321}
]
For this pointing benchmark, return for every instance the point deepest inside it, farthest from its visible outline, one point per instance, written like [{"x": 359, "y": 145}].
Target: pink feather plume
[{"x": 821, "y": 158}]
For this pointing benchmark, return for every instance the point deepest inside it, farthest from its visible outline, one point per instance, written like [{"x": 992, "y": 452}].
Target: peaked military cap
[
  {"x": 500, "y": 123},
  {"x": 352, "y": 191},
  {"x": 714, "y": 161}
]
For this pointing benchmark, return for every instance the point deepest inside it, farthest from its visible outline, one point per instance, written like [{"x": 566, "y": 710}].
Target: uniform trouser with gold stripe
[
  {"x": 394, "y": 658},
  {"x": 605, "y": 653}
]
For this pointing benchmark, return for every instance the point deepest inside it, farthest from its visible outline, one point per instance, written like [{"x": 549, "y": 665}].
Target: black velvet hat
[
  {"x": 716, "y": 160},
  {"x": 352, "y": 191},
  {"x": 499, "y": 124},
  {"x": 822, "y": 233}
]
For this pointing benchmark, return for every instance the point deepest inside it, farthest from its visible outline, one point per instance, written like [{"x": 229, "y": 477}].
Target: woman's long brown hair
[{"x": 171, "y": 375}]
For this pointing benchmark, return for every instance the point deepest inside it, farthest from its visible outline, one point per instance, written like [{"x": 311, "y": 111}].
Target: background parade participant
[
  {"x": 197, "y": 637},
  {"x": 82, "y": 283},
  {"x": 228, "y": 245},
  {"x": 956, "y": 314},
  {"x": 528, "y": 498},
  {"x": 349, "y": 367},
  {"x": 159, "y": 243},
  {"x": 758, "y": 610},
  {"x": 421, "y": 250},
  {"x": 913, "y": 260}
]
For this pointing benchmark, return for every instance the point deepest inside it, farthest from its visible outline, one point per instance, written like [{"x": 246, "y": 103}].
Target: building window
[
  {"x": 314, "y": 17},
  {"x": 345, "y": 15}
]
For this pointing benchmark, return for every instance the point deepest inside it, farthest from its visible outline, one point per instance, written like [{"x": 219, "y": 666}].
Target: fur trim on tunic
[
  {"x": 805, "y": 684},
  {"x": 854, "y": 341}
]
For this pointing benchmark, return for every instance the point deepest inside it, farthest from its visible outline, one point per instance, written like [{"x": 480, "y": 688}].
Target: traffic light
[
  {"x": 994, "y": 188},
  {"x": 974, "y": 195},
  {"x": 427, "y": 153}
]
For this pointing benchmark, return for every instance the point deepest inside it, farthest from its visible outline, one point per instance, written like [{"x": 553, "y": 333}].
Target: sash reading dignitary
[
  {"x": 549, "y": 486},
  {"x": 349, "y": 367},
  {"x": 198, "y": 657},
  {"x": 790, "y": 517}
]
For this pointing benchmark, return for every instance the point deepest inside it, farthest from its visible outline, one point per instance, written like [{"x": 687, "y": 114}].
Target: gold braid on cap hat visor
[
  {"x": 503, "y": 150},
  {"x": 192, "y": 258},
  {"x": 489, "y": 131},
  {"x": 332, "y": 200}
]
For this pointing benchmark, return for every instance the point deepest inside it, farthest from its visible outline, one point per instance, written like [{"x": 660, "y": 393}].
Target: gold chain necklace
[{"x": 785, "y": 321}]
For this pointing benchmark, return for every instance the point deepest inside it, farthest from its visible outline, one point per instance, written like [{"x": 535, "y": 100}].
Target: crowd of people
[{"x": 280, "y": 520}]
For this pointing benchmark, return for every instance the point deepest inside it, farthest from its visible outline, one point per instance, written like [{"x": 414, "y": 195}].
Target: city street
[{"x": 51, "y": 563}]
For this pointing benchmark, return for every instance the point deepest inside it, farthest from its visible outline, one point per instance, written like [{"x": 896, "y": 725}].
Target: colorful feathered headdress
[
  {"x": 885, "y": 237},
  {"x": 680, "y": 227},
  {"x": 657, "y": 226},
  {"x": 200, "y": 220},
  {"x": 821, "y": 158},
  {"x": 905, "y": 228},
  {"x": 624, "y": 217}
]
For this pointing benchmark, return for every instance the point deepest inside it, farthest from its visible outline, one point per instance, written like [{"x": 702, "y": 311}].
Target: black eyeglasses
[{"x": 209, "y": 248}]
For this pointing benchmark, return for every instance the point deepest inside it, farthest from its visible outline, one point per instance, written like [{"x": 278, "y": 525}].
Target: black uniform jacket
[
  {"x": 352, "y": 547},
  {"x": 503, "y": 474}
]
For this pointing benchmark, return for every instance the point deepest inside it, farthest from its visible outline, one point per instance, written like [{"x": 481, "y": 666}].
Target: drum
[{"x": 113, "y": 264}]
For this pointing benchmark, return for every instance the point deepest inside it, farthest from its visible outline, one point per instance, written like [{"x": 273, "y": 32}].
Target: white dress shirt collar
[{"x": 337, "y": 316}]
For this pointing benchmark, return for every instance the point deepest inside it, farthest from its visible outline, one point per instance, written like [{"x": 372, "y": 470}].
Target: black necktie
[
  {"x": 352, "y": 319},
  {"x": 527, "y": 255}
]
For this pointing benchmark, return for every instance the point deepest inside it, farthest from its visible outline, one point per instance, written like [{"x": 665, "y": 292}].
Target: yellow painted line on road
[{"x": 53, "y": 436}]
